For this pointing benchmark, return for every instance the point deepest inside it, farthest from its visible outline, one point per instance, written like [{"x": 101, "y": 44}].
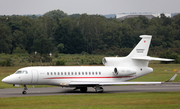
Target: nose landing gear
[{"x": 24, "y": 91}]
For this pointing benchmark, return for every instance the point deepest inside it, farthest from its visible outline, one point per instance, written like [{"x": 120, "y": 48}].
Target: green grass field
[{"x": 155, "y": 100}]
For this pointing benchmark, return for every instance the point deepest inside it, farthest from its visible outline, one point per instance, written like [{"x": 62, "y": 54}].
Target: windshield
[
  {"x": 18, "y": 72},
  {"x": 25, "y": 72},
  {"x": 21, "y": 72}
]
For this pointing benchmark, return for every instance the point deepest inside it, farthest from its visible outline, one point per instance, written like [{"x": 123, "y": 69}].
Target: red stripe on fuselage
[{"x": 88, "y": 77}]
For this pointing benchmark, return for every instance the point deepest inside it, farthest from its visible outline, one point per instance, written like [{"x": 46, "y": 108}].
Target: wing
[
  {"x": 90, "y": 83},
  {"x": 94, "y": 83}
]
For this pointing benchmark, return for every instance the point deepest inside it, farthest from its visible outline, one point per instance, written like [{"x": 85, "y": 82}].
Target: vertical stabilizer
[{"x": 142, "y": 47}]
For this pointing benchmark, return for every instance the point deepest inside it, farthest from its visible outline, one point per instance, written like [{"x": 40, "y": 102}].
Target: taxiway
[{"x": 17, "y": 92}]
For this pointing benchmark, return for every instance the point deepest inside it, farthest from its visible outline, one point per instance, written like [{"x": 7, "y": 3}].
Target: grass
[{"x": 155, "y": 100}]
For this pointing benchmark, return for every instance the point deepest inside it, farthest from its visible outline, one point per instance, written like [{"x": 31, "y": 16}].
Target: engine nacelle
[
  {"x": 123, "y": 71},
  {"x": 113, "y": 61},
  {"x": 109, "y": 60}
]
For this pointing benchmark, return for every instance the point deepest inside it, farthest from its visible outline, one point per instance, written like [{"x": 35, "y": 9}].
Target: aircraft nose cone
[{"x": 5, "y": 80}]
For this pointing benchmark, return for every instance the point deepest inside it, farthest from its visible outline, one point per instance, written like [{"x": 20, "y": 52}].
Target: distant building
[{"x": 122, "y": 16}]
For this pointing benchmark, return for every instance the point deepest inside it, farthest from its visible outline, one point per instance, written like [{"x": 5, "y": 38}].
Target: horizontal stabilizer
[
  {"x": 148, "y": 58},
  {"x": 74, "y": 83}
]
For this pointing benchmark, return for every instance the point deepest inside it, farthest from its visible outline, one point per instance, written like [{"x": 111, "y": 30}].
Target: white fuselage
[{"x": 62, "y": 76}]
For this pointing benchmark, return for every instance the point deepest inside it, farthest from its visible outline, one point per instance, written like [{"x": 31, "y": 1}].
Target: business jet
[{"x": 116, "y": 70}]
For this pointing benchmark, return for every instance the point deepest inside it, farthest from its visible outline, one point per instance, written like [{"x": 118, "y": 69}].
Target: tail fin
[
  {"x": 142, "y": 47},
  {"x": 141, "y": 50},
  {"x": 137, "y": 57}
]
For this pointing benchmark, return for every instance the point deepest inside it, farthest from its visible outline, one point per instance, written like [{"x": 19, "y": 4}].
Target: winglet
[{"x": 172, "y": 78}]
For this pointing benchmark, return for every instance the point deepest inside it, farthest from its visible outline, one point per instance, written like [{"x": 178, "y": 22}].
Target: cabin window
[
  {"x": 47, "y": 73},
  {"x": 99, "y": 73},
  {"x": 79, "y": 73},
  {"x": 86, "y": 73},
  {"x": 96, "y": 73},
  {"x": 68, "y": 73},
  {"x": 51, "y": 73},
  {"x": 54, "y": 73},
  {"x": 82, "y": 73},
  {"x": 71, "y": 73},
  {"x": 92, "y": 73},
  {"x": 58, "y": 73},
  {"x": 61, "y": 73},
  {"x": 75, "y": 73},
  {"x": 64, "y": 73},
  {"x": 89, "y": 73}
]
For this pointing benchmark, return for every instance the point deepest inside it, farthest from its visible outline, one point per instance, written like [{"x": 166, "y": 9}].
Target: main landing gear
[
  {"x": 24, "y": 91},
  {"x": 99, "y": 89},
  {"x": 84, "y": 89}
]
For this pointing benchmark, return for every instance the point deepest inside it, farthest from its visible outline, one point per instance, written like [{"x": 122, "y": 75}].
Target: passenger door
[{"x": 34, "y": 76}]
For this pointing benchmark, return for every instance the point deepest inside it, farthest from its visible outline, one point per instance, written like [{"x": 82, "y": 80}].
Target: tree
[
  {"x": 42, "y": 45},
  {"x": 19, "y": 40},
  {"x": 55, "y": 13},
  {"x": 127, "y": 39},
  {"x": 5, "y": 39},
  {"x": 18, "y": 50},
  {"x": 77, "y": 42},
  {"x": 166, "y": 20},
  {"x": 60, "y": 47},
  {"x": 169, "y": 55}
]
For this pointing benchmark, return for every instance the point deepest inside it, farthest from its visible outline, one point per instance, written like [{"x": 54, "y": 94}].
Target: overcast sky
[{"x": 20, "y": 7}]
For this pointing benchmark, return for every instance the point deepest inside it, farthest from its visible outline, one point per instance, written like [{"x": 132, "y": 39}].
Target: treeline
[{"x": 57, "y": 32}]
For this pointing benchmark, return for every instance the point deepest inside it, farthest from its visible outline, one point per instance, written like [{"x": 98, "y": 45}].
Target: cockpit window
[
  {"x": 25, "y": 72},
  {"x": 18, "y": 72},
  {"x": 21, "y": 72}
]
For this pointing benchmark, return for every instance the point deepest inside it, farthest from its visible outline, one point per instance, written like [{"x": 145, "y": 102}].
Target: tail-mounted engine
[
  {"x": 123, "y": 71},
  {"x": 113, "y": 61}
]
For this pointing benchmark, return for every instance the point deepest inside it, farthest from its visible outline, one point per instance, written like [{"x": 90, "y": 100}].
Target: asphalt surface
[{"x": 17, "y": 92}]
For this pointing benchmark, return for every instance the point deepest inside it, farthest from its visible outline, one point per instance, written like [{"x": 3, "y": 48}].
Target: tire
[
  {"x": 101, "y": 89},
  {"x": 24, "y": 92},
  {"x": 83, "y": 89}
]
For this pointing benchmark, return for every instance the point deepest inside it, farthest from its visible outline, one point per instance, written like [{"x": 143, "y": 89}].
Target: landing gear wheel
[
  {"x": 24, "y": 92},
  {"x": 99, "y": 89},
  {"x": 83, "y": 89}
]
